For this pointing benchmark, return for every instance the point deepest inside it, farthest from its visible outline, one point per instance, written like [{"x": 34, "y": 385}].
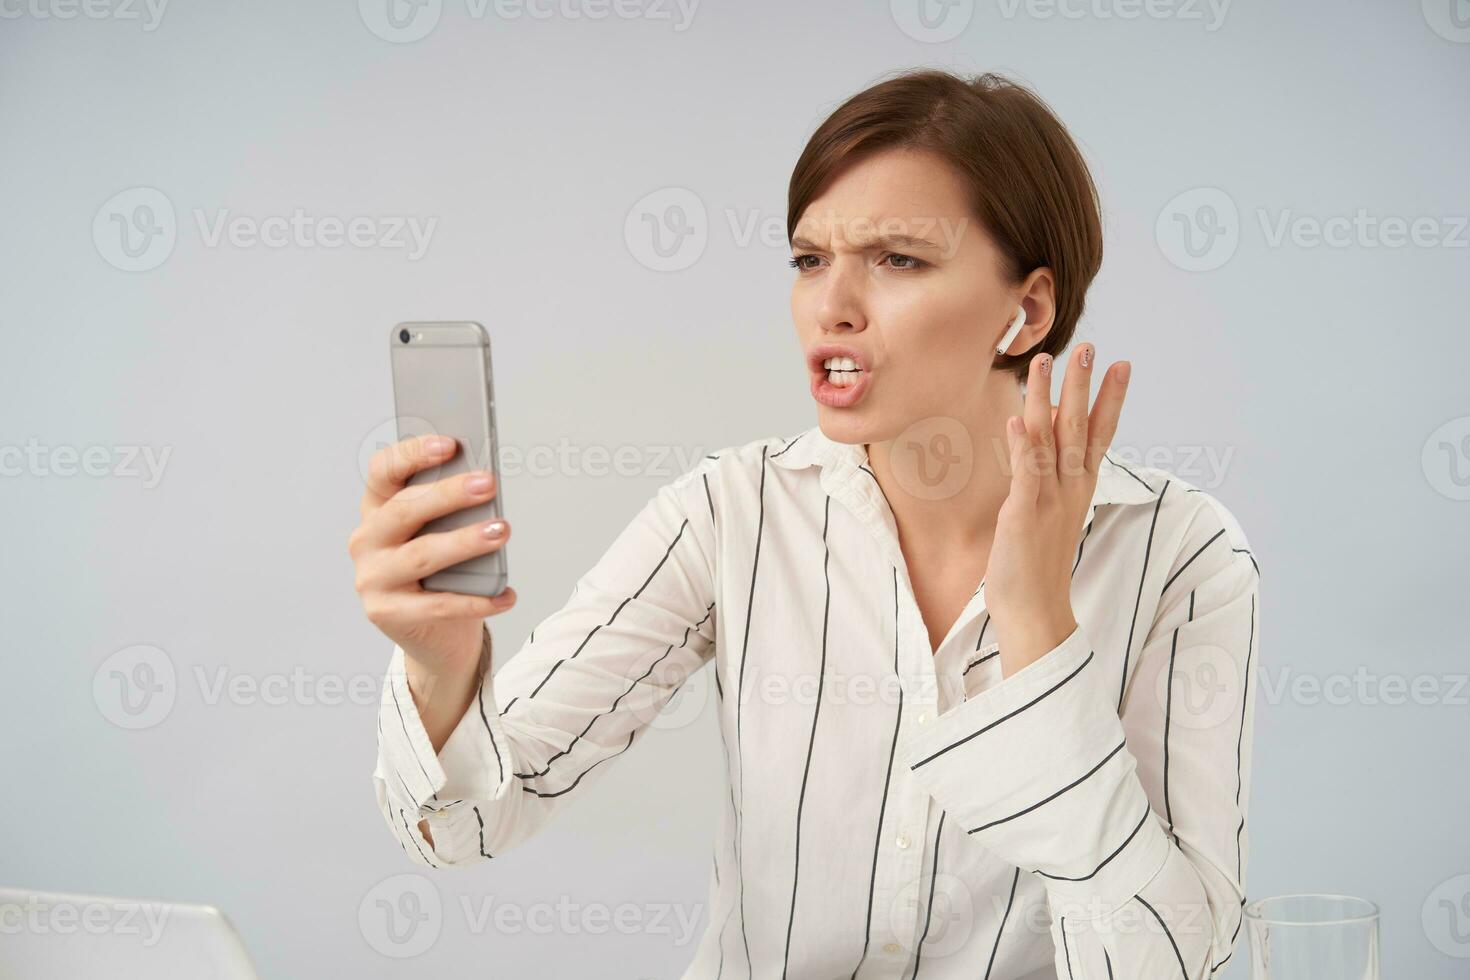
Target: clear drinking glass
[{"x": 1313, "y": 937}]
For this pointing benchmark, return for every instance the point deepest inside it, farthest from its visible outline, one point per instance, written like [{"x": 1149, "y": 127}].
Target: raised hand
[{"x": 1055, "y": 453}]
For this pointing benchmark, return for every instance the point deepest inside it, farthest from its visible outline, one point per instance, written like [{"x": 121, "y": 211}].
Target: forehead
[{"x": 895, "y": 186}]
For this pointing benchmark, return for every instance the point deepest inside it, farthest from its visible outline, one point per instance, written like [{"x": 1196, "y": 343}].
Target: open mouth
[{"x": 841, "y": 371}]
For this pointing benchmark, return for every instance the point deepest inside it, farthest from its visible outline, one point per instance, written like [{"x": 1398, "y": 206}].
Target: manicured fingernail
[
  {"x": 1086, "y": 358},
  {"x": 478, "y": 483},
  {"x": 1046, "y": 365},
  {"x": 494, "y": 529},
  {"x": 1124, "y": 369}
]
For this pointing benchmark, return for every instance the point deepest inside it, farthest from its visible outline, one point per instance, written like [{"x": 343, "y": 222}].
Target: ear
[{"x": 1038, "y": 296}]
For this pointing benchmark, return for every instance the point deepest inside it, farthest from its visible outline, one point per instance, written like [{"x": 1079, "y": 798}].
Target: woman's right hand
[{"x": 440, "y": 632}]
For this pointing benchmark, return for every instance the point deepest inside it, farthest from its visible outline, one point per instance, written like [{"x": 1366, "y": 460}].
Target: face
[{"x": 894, "y": 273}]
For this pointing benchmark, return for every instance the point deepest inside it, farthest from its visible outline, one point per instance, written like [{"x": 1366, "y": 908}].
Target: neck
[{"x": 923, "y": 472}]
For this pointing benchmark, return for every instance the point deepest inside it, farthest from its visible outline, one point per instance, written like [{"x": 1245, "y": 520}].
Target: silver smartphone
[{"x": 442, "y": 385}]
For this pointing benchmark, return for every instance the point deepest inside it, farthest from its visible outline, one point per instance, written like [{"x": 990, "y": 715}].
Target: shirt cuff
[
  {"x": 473, "y": 762},
  {"x": 1036, "y": 769}
]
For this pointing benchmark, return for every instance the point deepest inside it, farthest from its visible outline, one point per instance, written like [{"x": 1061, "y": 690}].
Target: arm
[
  {"x": 584, "y": 686},
  {"x": 1133, "y": 819}
]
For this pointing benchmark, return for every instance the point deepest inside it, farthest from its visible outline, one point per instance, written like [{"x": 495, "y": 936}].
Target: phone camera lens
[{"x": 404, "y": 336}]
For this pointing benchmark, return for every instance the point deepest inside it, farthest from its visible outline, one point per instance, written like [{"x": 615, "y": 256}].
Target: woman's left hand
[{"x": 1054, "y": 457}]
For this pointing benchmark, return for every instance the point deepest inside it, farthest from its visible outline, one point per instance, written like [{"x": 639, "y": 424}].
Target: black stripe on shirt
[
  {"x": 394, "y": 692},
  {"x": 1007, "y": 715},
  {"x": 483, "y": 853},
  {"x": 1062, "y": 927},
  {"x": 990, "y": 964},
  {"x": 760, "y": 526},
  {"x": 1116, "y": 851},
  {"x": 1130, "y": 472},
  {"x": 554, "y": 667},
  {"x": 1170, "y": 580},
  {"x": 929, "y": 913},
  {"x": 613, "y": 707},
  {"x": 1177, "y": 955},
  {"x": 883, "y": 800},
  {"x": 1073, "y": 784},
  {"x": 480, "y": 698},
  {"x": 812, "y": 739},
  {"x": 789, "y": 445},
  {"x": 536, "y": 792},
  {"x": 412, "y": 837},
  {"x": 1240, "y": 736},
  {"x": 1138, "y": 602}
]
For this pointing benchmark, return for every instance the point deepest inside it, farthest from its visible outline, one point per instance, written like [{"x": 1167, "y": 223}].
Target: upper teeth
[{"x": 840, "y": 364}]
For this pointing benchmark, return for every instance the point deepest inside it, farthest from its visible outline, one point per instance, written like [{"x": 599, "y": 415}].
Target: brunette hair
[{"x": 1029, "y": 186}]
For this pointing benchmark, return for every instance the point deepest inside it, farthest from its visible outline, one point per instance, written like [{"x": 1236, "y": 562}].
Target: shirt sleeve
[
  {"x": 1129, "y": 804},
  {"x": 587, "y": 682}
]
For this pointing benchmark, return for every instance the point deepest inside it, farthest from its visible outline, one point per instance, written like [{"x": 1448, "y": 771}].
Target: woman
[{"x": 984, "y": 691}]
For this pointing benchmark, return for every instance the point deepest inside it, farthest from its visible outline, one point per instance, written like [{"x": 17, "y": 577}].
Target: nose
[{"x": 842, "y": 304}]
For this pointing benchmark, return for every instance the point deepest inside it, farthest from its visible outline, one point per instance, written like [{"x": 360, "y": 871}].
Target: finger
[
  {"x": 1038, "y": 417},
  {"x": 405, "y": 609},
  {"x": 1103, "y": 423},
  {"x": 391, "y": 466},
  {"x": 1071, "y": 416},
  {"x": 1024, "y": 475},
  {"x": 422, "y": 556},
  {"x": 412, "y": 507}
]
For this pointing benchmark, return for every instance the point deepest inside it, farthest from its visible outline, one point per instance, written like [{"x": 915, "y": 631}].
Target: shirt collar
[{"x": 1116, "y": 483}]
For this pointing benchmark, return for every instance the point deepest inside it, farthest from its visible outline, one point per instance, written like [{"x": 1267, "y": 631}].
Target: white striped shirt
[{"x": 893, "y": 810}]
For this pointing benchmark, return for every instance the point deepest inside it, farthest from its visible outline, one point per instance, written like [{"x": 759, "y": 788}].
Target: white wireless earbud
[{"x": 1012, "y": 330}]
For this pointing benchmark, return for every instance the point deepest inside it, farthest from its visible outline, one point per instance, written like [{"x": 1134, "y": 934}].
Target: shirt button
[
  {"x": 902, "y": 841},
  {"x": 891, "y": 947},
  {"x": 923, "y": 718}
]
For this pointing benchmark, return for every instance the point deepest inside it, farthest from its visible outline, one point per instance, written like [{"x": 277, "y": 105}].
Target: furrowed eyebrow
[{"x": 884, "y": 241}]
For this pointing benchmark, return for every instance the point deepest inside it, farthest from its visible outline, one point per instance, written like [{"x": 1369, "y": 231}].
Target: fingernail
[
  {"x": 1124, "y": 370},
  {"x": 494, "y": 529},
  {"x": 1086, "y": 355},
  {"x": 440, "y": 444},
  {"x": 1046, "y": 365},
  {"x": 478, "y": 483}
]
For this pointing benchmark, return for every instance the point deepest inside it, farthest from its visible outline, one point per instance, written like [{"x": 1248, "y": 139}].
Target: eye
[
  {"x": 912, "y": 263},
  {"x": 800, "y": 262}
]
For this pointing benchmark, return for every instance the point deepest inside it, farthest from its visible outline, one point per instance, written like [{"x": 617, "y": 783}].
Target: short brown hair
[{"x": 1029, "y": 186}]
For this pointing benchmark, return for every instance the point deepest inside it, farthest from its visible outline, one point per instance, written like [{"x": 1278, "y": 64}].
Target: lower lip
[{"x": 826, "y": 393}]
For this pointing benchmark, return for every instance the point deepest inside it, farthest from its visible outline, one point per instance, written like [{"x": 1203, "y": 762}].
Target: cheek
[{"x": 936, "y": 323}]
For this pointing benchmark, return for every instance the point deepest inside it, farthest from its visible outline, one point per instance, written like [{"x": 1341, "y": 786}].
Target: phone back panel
[{"x": 443, "y": 384}]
